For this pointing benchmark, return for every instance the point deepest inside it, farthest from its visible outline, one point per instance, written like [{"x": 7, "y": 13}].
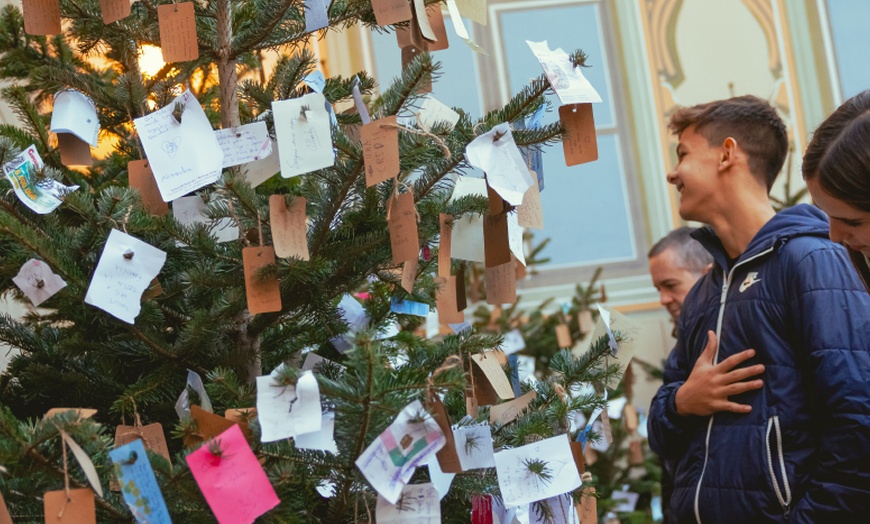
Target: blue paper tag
[
  {"x": 513, "y": 361},
  {"x": 138, "y": 484},
  {"x": 409, "y": 307}
]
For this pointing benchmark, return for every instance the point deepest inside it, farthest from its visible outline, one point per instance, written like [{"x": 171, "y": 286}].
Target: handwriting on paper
[
  {"x": 304, "y": 135},
  {"x": 184, "y": 157},
  {"x": 496, "y": 153},
  {"x": 114, "y": 10},
  {"x": 243, "y": 144},
  {"x": 529, "y": 213},
  {"x": 389, "y": 12},
  {"x": 404, "y": 239},
  {"x": 380, "y": 142},
  {"x": 125, "y": 269},
  {"x": 579, "y": 141},
  {"x": 41, "y": 17},
  {"x": 233, "y": 483},
  {"x": 259, "y": 171},
  {"x": 177, "y": 32},
  {"x": 418, "y": 504},
  {"x": 274, "y": 403},
  {"x": 289, "y": 227},
  {"x": 566, "y": 79},
  {"x": 501, "y": 284},
  {"x": 491, "y": 383},
  {"x": 520, "y": 485},
  {"x": 433, "y": 112},
  {"x": 138, "y": 484},
  {"x": 306, "y": 415}
]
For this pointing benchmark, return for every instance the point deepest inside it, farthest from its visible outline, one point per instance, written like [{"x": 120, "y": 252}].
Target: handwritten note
[
  {"x": 289, "y": 227},
  {"x": 75, "y": 113},
  {"x": 259, "y": 171},
  {"x": 138, "y": 484},
  {"x": 177, "y": 32},
  {"x": 410, "y": 441},
  {"x": 568, "y": 81},
  {"x": 261, "y": 290},
  {"x": 142, "y": 179},
  {"x": 474, "y": 447},
  {"x": 418, "y": 504},
  {"x": 184, "y": 157},
  {"x": 529, "y": 213},
  {"x": 389, "y": 12},
  {"x": 380, "y": 142},
  {"x": 501, "y": 284},
  {"x": 404, "y": 239},
  {"x": 323, "y": 439},
  {"x": 74, "y": 507},
  {"x": 189, "y": 211},
  {"x": 41, "y": 17},
  {"x": 274, "y": 403},
  {"x": 496, "y": 153},
  {"x": 579, "y": 141},
  {"x": 243, "y": 144},
  {"x": 490, "y": 381},
  {"x": 114, "y": 10},
  {"x": 36, "y": 280},
  {"x": 304, "y": 135},
  {"x": 125, "y": 269},
  {"x": 519, "y": 485},
  {"x": 503, "y": 413},
  {"x": 233, "y": 483},
  {"x": 515, "y": 238},
  {"x": 409, "y": 274},
  {"x": 435, "y": 113},
  {"x": 152, "y": 438}
]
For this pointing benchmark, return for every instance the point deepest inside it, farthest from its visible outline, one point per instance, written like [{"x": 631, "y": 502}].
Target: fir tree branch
[{"x": 329, "y": 215}]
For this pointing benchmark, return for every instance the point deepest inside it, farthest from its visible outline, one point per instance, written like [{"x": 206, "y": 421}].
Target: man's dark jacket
[{"x": 803, "y": 453}]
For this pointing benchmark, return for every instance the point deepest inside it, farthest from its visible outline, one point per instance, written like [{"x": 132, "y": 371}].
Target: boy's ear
[{"x": 728, "y": 153}]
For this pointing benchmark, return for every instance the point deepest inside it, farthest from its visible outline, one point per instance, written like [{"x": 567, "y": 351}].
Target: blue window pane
[
  {"x": 571, "y": 28},
  {"x": 586, "y": 211},
  {"x": 849, "y": 21}
]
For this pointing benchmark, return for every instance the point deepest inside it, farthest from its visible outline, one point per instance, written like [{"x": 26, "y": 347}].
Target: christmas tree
[{"x": 150, "y": 317}]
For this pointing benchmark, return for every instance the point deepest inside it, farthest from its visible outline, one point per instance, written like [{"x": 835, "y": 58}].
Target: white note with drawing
[
  {"x": 566, "y": 79},
  {"x": 474, "y": 446},
  {"x": 536, "y": 471}
]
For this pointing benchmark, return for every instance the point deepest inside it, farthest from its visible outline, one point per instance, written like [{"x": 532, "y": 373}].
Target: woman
[{"x": 836, "y": 168}]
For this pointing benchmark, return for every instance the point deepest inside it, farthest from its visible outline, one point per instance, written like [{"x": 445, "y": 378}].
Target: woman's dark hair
[{"x": 839, "y": 153}]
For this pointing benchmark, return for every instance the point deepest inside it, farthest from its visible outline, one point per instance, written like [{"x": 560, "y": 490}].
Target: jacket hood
[{"x": 800, "y": 220}]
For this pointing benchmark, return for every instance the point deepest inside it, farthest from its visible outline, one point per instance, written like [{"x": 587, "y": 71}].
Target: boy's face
[{"x": 695, "y": 175}]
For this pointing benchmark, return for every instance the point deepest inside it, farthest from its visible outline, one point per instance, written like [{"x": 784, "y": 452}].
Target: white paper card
[
  {"x": 459, "y": 27},
  {"x": 75, "y": 113},
  {"x": 418, "y": 504},
  {"x": 259, "y": 171},
  {"x": 316, "y": 16},
  {"x": 568, "y": 81},
  {"x": 521, "y": 486},
  {"x": 410, "y": 441},
  {"x": 304, "y": 134},
  {"x": 474, "y": 446},
  {"x": 324, "y": 439},
  {"x": 306, "y": 414},
  {"x": 561, "y": 509},
  {"x": 467, "y": 238},
  {"x": 243, "y": 144},
  {"x": 513, "y": 342},
  {"x": 274, "y": 403},
  {"x": 183, "y": 157},
  {"x": 434, "y": 112},
  {"x": 441, "y": 480},
  {"x": 36, "y": 280},
  {"x": 515, "y": 237},
  {"x": 191, "y": 210},
  {"x": 626, "y": 501},
  {"x": 356, "y": 317},
  {"x": 506, "y": 171},
  {"x": 119, "y": 281}
]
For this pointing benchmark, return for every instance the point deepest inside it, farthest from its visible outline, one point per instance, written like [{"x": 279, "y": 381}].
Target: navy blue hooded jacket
[{"x": 803, "y": 453}]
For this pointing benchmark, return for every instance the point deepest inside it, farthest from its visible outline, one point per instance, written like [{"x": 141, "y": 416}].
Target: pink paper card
[{"x": 234, "y": 483}]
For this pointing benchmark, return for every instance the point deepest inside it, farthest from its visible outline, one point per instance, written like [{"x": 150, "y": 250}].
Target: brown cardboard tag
[
  {"x": 472, "y": 409},
  {"x": 490, "y": 381},
  {"x": 73, "y": 150},
  {"x": 635, "y": 453},
  {"x": 509, "y": 411},
  {"x": 579, "y": 141},
  {"x": 436, "y": 21},
  {"x": 605, "y": 427},
  {"x": 380, "y": 141},
  {"x": 501, "y": 284},
  {"x": 114, "y": 10},
  {"x": 496, "y": 243},
  {"x": 263, "y": 294},
  {"x": 496, "y": 202},
  {"x": 530, "y": 213},
  {"x": 445, "y": 301},
  {"x": 152, "y": 291},
  {"x": 241, "y": 415},
  {"x": 584, "y": 319},
  {"x": 461, "y": 299},
  {"x": 177, "y": 32},
  {"x": 152, "y": 437},
  {"x": 563, "y": 336},
  {"x": 448, "y": 459},
  {"x": 5, "y": 517},
  {"x": 587, "y": 510},
  {"x": 391, "y": 11},
  {"x": 142, "y": 178},
  {"x": 415, "y": 29},
  {"x": 208, "y": 426},
  {"x": 77, "y": 507},
  {"x": 289, "y": 227},
  {"x": 403, "y": 227},
  {"x": 590, "y": 456},
  {"x": 41, "y": 17},
  {"x": 577, "y": 453},
  {"x": 444, "y": 245},
  {"x": 80, "y": 412},
  {"x": 630, "y": 414},
  {"x": 409, "y": 274}
]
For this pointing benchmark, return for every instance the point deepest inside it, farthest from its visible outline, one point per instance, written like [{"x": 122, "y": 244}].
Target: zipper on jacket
[
  {"x": 727, "y": 275},
  {"x": 783, "y": 498}
]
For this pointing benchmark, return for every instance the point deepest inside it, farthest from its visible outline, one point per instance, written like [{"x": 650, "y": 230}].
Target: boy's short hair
[{"x": 751, "y": 121}]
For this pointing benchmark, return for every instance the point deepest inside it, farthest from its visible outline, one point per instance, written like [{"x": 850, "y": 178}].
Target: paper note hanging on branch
[
  {"x": 289, "y": 227},
  {"x": 496, "y": 153},
  {"x": 85, "y": 462},
  {"x": 444, "y": 245},
  {"x": 183, "y": 156},
  {"x": 490, "y": 382},
  {"x": 467, "y": 239},
  {"x": 418, "y": 504},
  {"x": 388, "y": 12},
  {"x": 436, "y": 22},
  {"x": 530, "y": 213},
  {"x": 515, "y": 238},
  {"x": 40, "y": 195},
  {"x": 152, "y": 438},
  {"x": 459, "y": 27},
  {"x": 446, "y": 302},
  {"x": 41, "y": 17},
  {"x": 141, "y": 178},
  {"x": 433, "y": 112},
  {"x": 380, "y": 142},
  {"x": 474, "y": 447},
  {"x": 410, "y": 441},
  {"x": 232, "y": 481},
  {"x": 177, "y": 24},
  {"x": 306, "y": 415},
  {"x": 566, "y": 79},
  {"x": 114, "y": 10},
  {"x": 73, "y": 150},
  {"x": 409, "y": 274},
  {"x": 194, "y": 382},
  {"x": 125, "y": 269},
  {"x": 316, "y": 15},
  {"x": 262, "y": 290},
  {"x": 191, "y": 210},
  {"x": 77, "y": 506},
  {"x": 274, "y": 403},
  {"x": 302, "y": 126},
  {"x": 75, "y": 113},
  {"x": 138, "y": 484},
  {"x": 322, "y": 439},
  {"x": 496, "y": 243},
  {"x": 244, "y": 144},
  {"x": 402, "y": 223},
  {"x": 579, "y": 141},
  {"x": 474, "y": 10},
  {"x": 520, "y": 485},
  {"x": 448, "y": 459},
  {"x": 501, "y": 284},
  {"x": 259, "y": 171},
  {"x": 624, "y": 334},
  {"x": 36, "y": 280}
]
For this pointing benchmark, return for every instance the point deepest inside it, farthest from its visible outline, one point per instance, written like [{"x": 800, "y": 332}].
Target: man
[
  {"x": 676, "y": 262},
  {"x": 778, "y": 432}
]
